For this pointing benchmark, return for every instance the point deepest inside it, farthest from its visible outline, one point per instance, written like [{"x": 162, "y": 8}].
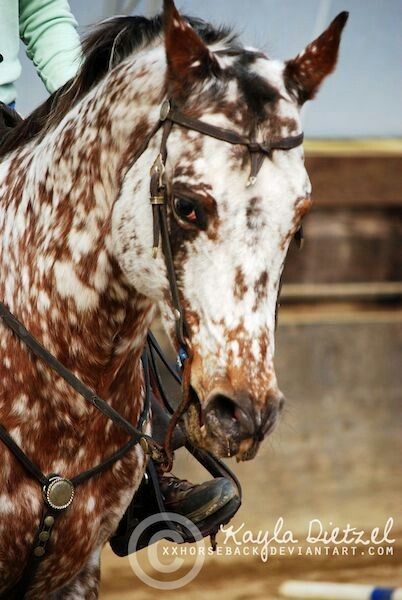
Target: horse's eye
[{"x": 186, "y": 210}]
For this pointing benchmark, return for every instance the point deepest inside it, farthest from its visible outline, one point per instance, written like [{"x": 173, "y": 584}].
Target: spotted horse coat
[{"x": 76, "y": 265}]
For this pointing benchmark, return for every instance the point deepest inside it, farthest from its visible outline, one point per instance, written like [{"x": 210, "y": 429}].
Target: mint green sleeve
[{"x": 49, "y": 30}]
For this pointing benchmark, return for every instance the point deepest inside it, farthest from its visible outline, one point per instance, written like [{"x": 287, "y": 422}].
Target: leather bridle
[
  {"x": 58, "y": 491},
  {"x": 160, "y": 196},
  {"x": 159, "y": 191}
]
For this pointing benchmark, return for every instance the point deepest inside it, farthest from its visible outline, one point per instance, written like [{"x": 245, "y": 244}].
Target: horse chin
[{"x": 247, "y": 450}]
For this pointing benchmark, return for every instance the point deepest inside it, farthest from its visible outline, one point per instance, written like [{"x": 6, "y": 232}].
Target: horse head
[{"x": 229, "y": 235}]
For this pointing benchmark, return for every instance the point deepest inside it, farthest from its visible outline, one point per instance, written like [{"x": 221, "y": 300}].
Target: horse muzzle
[{"x": 236, "y": 423}]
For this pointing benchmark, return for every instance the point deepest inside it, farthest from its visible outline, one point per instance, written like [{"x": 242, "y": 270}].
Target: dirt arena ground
[{"x": 250, "y": 578}]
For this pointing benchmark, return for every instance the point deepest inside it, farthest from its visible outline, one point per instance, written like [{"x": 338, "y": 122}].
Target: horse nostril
[
  {"x": 228, "y": 411},
  {"x": 222, "y": 406}
]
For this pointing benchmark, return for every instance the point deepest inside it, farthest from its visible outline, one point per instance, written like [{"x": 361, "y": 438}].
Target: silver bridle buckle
[
  {"x": 165, "y": 110},
  {"x": 158, "y": 168}
]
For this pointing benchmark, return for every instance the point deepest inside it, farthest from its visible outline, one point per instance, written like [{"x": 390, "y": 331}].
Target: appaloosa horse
[{"x": 77, "y": 266}]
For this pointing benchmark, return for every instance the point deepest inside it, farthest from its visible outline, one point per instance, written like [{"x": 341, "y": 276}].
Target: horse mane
[{"x": 107, "y": 44}]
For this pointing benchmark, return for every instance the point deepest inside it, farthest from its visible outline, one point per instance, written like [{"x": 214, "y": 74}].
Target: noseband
[{"x": 159, "y": 190}]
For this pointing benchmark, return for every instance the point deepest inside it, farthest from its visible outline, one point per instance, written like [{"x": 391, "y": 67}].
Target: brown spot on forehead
[{"x": 231, "y": 110}]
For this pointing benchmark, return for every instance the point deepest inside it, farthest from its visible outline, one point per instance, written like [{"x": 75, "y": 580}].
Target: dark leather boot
[
  {"x": 196, "y": 502},
  {"x": 207, "y": 505}
]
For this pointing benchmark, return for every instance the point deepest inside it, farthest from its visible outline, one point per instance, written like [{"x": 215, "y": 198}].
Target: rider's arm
[{"x": 49, "y": 30}]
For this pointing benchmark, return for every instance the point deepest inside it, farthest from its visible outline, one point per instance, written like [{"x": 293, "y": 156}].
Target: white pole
[{"x": 307, "y": 590}]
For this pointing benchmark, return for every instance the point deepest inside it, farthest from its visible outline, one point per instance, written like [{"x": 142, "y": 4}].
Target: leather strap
[
  {"x": 159, "y": 202},
  {"x": 89, "y": 395},
  {"x": 232, "y": 137},
  {"x": 258, "y": 150},
  {"x": 20, "y": 455},
  {"x": 19, "y": 589}
]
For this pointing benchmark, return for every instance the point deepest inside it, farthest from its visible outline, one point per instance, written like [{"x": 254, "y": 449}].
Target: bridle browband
[
  {"x": 256, "y": 149},
  {"x": 58, "y": 491}
]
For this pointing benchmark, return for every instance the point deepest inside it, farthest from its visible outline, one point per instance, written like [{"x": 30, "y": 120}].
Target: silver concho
[{"x": 59, "y": 493}]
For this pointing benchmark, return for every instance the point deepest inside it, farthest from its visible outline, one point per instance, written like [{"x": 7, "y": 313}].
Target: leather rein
[{"x": 58, "y": 491}]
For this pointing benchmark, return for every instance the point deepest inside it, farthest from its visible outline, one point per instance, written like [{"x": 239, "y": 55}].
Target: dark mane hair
[{"x": 107, "y": 45}]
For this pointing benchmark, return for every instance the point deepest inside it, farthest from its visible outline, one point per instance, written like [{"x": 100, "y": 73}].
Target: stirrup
[{"x": 148, "y": 501}]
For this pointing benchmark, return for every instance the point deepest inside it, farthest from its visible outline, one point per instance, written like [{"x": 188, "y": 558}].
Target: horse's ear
[
  {"x": 306, "y": 72},
  {"x": 188, "y": 58}
]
